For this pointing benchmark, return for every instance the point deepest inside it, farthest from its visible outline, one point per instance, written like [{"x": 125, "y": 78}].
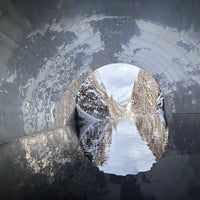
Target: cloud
[{"x": 118, "y": 79}]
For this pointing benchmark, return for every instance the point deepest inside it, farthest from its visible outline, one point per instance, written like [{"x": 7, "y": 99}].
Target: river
[{"x": 124, "y": 146}]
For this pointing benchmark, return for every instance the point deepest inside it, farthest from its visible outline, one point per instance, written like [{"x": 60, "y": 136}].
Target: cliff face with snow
[
  {"x": 146, "y": 100},
  {"x": 94, "y": 103},
  {"x": 115, "y": 109},
  {"x": 93, "y": 99},
  {"x": 92, "y": 112},
  {"x": 144, "y": 94},
  {"x": 90, "y": 100}
]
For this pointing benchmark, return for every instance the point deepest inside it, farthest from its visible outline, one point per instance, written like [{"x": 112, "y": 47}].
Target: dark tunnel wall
[{"x": 47, "y": 48}]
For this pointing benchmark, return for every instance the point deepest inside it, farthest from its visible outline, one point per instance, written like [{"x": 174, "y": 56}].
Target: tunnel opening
[
  {"x": 120, "y": 118},
  {"x": 46, "y": 48}
]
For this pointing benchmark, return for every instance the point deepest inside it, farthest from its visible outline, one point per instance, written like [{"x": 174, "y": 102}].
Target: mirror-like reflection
[
  {"x": 50, "y": 166},
  {"x": 137, "y": 134},
  {"x": 154, "y": 132},
  {"x": 125, "y": 146},
  {"x": 126, "y": 152},
  {"x": 92, "y": 142}
]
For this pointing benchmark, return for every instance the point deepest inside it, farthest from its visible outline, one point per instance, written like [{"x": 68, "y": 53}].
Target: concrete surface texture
[{"x": 48, "y": 47}]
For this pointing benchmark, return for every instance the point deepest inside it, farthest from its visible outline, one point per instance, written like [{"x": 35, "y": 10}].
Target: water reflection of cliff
[
  {"x": 150, "y": 128},
  {"x": 95, "y": 139},
  {"x": 153, "y": 131},
  {"x": 92, "y": 141},
  {"x": 101, "y": 156},
  {"x": 140, "y": 110}
]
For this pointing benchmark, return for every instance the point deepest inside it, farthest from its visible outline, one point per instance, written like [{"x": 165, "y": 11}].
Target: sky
[{"x": 118, "y": 80}]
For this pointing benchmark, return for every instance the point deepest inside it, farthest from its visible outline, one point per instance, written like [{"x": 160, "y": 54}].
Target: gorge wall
[
  {"x": 93, "y": 99},
  {"x": 144, "y": 94},
  {"x": 143, "y": 104},
  {"x": 90, "y": 100},
  {"x": 48, "y": 47}
]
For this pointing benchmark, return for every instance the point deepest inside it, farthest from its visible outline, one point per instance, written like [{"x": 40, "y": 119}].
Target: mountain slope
[
  {"x": 145, "y": 99},
  {"x": 144, "y": 94},
  {"x": 89, "y": 99},
  {"x": 115, "y": 109}
]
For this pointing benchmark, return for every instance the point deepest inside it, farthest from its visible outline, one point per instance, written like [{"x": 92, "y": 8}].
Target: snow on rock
[
  {"x": 160, "y": 104},
  {"x": 84, "y": 120},
  {"x": 147, "y": 106},
  {"x": 91, "y": 139},
  {"x": 91, "y": 102}
]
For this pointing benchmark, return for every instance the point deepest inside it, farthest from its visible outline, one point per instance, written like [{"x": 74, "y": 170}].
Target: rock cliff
[
  {"x": 146, "y": 100},
  {"x": 115, "y": 109},
  {"x": 90, "y": 100}
]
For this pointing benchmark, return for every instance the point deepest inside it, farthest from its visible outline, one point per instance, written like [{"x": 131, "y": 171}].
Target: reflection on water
[
  {"x": 50, "y": 166},
  {"x": 127, "y": 153},
  {"x": 153, "y": 130},
  {"x": 125, "y": 146}
]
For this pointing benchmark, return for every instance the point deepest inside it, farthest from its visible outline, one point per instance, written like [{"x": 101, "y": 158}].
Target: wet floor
[
  {"x": 125, "y": 146},
  {"x": 54, "y": 168}
]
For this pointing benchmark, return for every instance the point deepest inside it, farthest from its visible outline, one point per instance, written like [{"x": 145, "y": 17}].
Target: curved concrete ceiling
[{"x": 47, "y": 48}]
